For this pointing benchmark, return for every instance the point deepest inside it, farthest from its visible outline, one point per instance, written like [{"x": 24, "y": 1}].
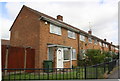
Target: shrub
[
  {"x": 95, "y": 56},
  {"x": 108, "y": 56}
]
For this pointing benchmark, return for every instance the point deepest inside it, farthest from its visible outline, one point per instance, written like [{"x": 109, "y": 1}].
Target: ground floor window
[
  {"x": 73, "y": 54},
  {"x": 66, "y": 53},
  {"x": 50, "y": 53},
  {"x": 82, "y": 54}
]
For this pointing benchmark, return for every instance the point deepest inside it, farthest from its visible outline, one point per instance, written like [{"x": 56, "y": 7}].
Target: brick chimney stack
[
  {"x": 90, "y": 32},
  {"x": 59, "y": 17}
]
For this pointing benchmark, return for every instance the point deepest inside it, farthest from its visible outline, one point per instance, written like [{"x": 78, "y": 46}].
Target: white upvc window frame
[
  {"x": 100, "y": 43},
  {"x": 55, "y": 29},
  {"x": 82, "y": 38},
  {"x": 71, "y": 34},
  {"x": 104, "y": 45},
  {"x": 95, "y": 41},
  {"x": 90, "y": 40},
  {"x": 116, "y": 48}
]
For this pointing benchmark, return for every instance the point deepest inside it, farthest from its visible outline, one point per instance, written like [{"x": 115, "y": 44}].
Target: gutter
[{"x": 58, "y": 24}]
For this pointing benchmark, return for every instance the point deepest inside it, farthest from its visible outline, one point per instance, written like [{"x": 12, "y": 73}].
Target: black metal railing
[{"x": 85, "y": 72}]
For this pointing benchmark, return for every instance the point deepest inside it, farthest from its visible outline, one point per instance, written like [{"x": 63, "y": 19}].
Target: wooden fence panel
[
  {"x": 30, "y": 59},
  {"x": 16, "y": 57},
  {"x": 3, "y": 51}
]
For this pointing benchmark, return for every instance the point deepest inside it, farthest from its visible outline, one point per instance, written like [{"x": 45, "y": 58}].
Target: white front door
[{"x": 60, "y": 58}]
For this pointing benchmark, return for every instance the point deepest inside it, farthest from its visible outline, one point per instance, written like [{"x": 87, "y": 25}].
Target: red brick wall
[
  {"x": 25, "y": 32},
  {"x": 67, "y": 64},
  {"x": 47, "y": 37}
]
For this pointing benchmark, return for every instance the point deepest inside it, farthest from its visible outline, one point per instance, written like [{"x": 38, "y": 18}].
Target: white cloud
[
  {"x": 101, "y": 13},
  {"x": 5, "y": 26},
  {"x": 13, "y": 9}
]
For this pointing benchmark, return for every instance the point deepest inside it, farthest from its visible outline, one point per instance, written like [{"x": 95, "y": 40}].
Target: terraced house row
[{"x": 53, "y": 39}]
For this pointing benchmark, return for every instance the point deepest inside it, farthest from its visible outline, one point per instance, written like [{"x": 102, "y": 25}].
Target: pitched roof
[{"x": 70, "y": 26}]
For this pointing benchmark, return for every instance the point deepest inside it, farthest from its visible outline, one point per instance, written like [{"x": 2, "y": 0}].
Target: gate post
[
  {"x": 6, "y": 59},
  {"x": 85, "y": 72},
  {"x": 25, "y": 59}
]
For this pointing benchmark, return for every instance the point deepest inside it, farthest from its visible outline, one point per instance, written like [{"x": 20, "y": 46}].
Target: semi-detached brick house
[{"x": 52, "y": 38}]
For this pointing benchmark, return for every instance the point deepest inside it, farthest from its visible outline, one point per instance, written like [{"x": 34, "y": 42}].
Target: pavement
[{"x": 115, "y": 74}]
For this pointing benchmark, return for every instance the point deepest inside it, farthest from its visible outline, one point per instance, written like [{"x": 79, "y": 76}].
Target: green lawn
[
  {"x": 93, "y": 72},
  {"x": 73, "y": 74},
  {"x": 45, "y": 76}
]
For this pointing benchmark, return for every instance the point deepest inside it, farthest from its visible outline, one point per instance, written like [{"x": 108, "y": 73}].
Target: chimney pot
[
  {"x": 111, "y": 43},
  {"x": 59, "y": 17},
  {"x": 104, "y": 39}
]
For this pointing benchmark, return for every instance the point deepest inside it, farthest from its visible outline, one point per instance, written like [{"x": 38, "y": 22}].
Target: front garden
[{"x": 93, "y": 65}]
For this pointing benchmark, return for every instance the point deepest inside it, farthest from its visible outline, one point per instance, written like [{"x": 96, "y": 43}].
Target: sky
[{"x": 102, "y": 15}]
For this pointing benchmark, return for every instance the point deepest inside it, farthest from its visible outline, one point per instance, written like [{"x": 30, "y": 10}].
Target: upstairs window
[
  {"x": 112, "y": 47},
  {"x": 106, "y": 45},
  {"x": 71, "y": 34},
  {"x": 82, "y": 38},
  {"x": 103, "y": 44},
  {"x": 100, "y": 43},
  {"x": 95, "y": 42},
  {"x": 116, "y": 48},
  {"x": 55, "y": 29},
  {"x": 82, "y": 54},
  {"x": 90, "y": 40}
]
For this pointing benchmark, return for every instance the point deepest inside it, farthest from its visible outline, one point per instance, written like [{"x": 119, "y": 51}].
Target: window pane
[
  {"x": 82, "y": 38},
  {"x": 106, "y": 45},
  {"x": 74, "y": 54},
  {"x": 90, "y": 40},
  {"x": 54, "y": 29},
  {"x": 100, "y": 43},
  {"x": 71, "y": 34},
  {"x": 68, "y": 33},
  {"x": 50, "y": 53},
  {"x": 82, "y": 52},
  {"x": 74, "y": 35},
  {"x": 95, "y": 42},
  {"x": 59, "y": 30},
  {"x": 103, "y": 44},
  {"x": 51, "y": 28},
  {"x": 66, "y": 54}
]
